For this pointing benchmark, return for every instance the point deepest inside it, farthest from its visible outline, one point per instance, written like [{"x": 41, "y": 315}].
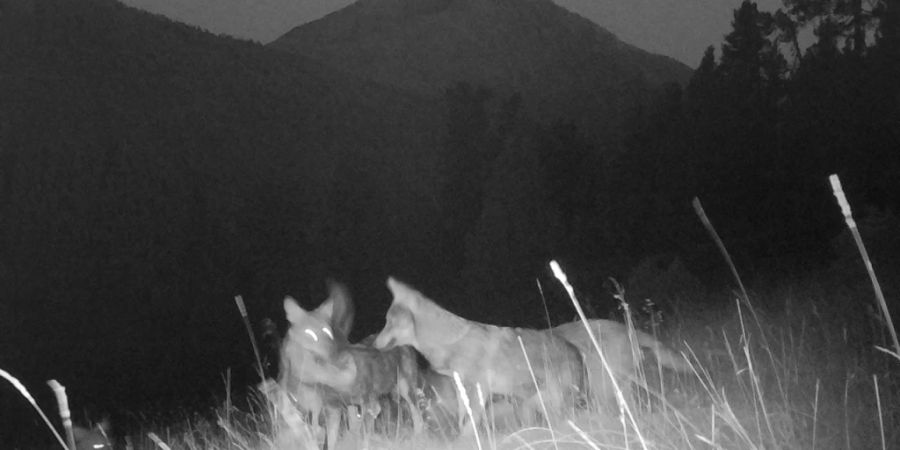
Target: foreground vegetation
[{"x": 798, "y": 366}]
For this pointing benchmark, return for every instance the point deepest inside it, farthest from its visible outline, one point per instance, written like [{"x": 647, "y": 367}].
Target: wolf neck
[{"x": 437, "y": 328}]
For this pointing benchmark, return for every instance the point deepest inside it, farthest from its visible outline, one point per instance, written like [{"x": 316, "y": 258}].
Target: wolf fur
[
  {"x": 622, "y": 351},
  {"x": 485, "y": 355}
]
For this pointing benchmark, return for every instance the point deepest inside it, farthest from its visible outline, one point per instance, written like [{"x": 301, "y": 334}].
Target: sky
[{"x": 681, "y": 29}]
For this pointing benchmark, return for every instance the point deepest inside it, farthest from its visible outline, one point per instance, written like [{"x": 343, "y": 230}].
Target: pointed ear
[
  {"x": 402, "y": 292},
  {"x": 343, "y": 311},
  {"x": 293, "y": 311},
  {"x": 326, "y": 309}
]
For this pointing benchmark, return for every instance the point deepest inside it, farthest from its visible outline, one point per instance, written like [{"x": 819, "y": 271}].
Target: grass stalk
[
  {"x": 815, "y": 415},
  {"x": 62, "y": 402},
  {"x": 880, "y": 412},
  {"x": 21, "y": 388},
  {"x": 564, "y": 280},
  {"x": 243, "y": 310},
  {"x": 854, "y": 230},
  {"x": 464, "y": 396}
]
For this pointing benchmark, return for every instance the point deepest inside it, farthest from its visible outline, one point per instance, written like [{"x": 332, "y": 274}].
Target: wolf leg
[
  {"x": 332, "y": 426},
  {"x": 404, "y": 390},
  {"x": 477, "y": 406}
]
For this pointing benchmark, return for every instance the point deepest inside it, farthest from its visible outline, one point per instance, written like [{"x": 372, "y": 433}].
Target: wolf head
[
  {"x": 322, "y": 331},
  {"x": 400, "y": 326}
]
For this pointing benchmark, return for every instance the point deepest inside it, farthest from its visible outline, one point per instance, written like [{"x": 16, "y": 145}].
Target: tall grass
[
  {"x": 801, "y": 375},
  {"x": 798, "y": 365}
]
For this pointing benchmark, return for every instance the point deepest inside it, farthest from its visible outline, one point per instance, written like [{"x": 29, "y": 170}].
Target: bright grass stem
[
  {"x": 880, "y": 412},
  {"x": 464, "y": 396},
  {"x": 623, "y": 405},
  {"x": 159, "y": 442},
  {"x": 62, "y": 402},
  {"x": 854, "y": 230},
  {"x": 243, "y": 310},
  {"x": 21, "y": 388}
]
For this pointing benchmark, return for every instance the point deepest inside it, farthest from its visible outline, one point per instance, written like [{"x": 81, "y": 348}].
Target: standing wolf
[
  {"x": 332, "y": 320},
  {"x": 319, "y": 357},
  {"x": 485, "y": 355}
]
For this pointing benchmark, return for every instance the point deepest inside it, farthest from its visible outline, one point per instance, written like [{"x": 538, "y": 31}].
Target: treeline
[
  {"x": 759, "y": 128},
  {"x": 754, "y": 135}
]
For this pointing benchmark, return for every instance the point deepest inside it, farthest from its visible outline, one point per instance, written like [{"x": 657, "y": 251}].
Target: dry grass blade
[
  {"x": 243, "y": 310},
  {"x": 464, "y": 396},
  {"x": 851, "y": 224},
  {"x": 62, "y": 402},
  {"x": 159, "y": 443},
  {"x": 564, "y": 280},
  {"x": 21, "y": 388}
]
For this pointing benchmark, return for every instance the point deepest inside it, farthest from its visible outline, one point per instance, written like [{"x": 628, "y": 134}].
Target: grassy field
[
  {"x": 794, "y": 367},
  {"x": 810, "y": 364}
]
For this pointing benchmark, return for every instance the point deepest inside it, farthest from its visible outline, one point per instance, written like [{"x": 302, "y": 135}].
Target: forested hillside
[{"x": 151, "y": 171}]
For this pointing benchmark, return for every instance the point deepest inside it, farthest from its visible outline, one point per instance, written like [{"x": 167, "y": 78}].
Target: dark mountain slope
[
  {"x": 564, "y": 65},
  {"x": 150, "y": 171}
]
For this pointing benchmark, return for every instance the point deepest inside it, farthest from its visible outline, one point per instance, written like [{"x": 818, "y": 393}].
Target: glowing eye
[
  {"x": 327, "y": 331},
  {"x": 311, "y": 334}
]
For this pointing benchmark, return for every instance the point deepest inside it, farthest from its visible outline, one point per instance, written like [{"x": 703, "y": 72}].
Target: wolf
[
  {"x": 621, "y": 350},
  {"x": 346, "y": 374},
  {"x": 332, "y": 320},
  {"x": 485, "y": 356}
]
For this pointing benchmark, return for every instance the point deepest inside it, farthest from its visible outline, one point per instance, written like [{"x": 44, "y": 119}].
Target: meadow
[
  {"x": 795, "y": 365},
  {"x": 791, "y": 366}
]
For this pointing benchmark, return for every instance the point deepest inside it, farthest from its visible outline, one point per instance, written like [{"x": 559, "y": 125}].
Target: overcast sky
[{"x": 681, "y": 29}]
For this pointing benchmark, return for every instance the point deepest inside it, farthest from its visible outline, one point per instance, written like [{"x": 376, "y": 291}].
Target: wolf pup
[
  {"x": 621, "y": 351},
  {"x": 358, "y": 374},
  {"x": 485, "y": 355}
]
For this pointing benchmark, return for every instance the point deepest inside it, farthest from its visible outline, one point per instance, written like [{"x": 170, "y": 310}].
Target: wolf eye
[
  {"x": 311, "y": 334},
  {"x": 327, "y": 331}
]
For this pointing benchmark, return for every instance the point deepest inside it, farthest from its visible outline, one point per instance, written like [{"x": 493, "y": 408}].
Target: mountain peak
[{"x": 563, "y": 64}]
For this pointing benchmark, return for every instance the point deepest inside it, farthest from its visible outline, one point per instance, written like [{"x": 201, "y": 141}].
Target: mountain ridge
[{"x": 566, "y": 66}]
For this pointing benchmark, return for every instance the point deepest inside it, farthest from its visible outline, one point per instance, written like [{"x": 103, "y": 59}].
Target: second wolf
[{"x": 486, "y": 356}]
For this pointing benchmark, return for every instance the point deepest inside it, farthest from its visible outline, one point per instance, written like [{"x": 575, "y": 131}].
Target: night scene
[{"x": 449, "y": 224}]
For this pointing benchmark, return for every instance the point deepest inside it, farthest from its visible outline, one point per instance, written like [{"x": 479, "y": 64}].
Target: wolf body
[
  {"x": 622, "y": 351},
  {"x": 485, "y": 356}
]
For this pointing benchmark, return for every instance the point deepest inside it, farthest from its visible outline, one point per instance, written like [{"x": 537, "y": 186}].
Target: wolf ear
[
  {"x": 293, "y": 311},
  {"x": 402, "y": 292},
  {"x": 326, "y": 310},
  {"x": 343, "y": 311}
]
